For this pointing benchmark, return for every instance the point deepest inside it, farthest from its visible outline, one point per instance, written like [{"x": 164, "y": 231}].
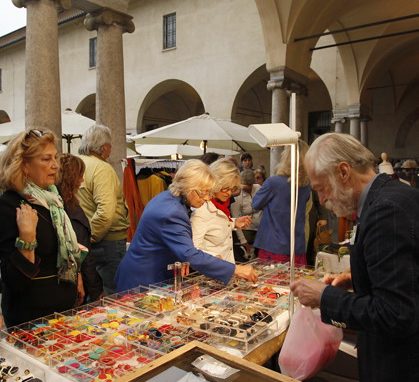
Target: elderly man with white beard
[{"x": 383, "y": 304}]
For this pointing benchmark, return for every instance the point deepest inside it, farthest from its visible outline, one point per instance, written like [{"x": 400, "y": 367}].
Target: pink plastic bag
[{"x": 309, "y": 345}]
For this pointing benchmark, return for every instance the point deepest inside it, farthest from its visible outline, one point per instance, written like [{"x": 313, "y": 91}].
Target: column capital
[
  {"x": 338, "y": 119},
  {"x": 63, "y": 4},
  {"x": 287, "y": 79},
  {"x": 357, "y": 111},
  {"x": 339, "y": 115},
  {"x": 107, "y": 17}
]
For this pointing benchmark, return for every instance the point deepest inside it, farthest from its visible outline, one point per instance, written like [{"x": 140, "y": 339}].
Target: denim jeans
[{"x": 108, "y": 254}]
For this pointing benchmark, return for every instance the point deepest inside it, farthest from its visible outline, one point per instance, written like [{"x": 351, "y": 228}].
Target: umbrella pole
[{"x": 68, "y": 140}]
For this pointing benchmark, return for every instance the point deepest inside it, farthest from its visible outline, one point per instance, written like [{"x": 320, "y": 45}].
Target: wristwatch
[{"x": 28, "y": 245}]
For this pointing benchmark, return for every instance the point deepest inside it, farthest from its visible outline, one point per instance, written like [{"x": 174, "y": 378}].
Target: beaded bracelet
[{"x": 27, "y": 245}]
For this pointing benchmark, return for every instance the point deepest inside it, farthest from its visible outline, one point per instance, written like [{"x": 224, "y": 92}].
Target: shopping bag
[{"x": 309, "y": 345}]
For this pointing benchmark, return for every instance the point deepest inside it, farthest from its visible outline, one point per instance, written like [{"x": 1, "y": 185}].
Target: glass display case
[{"x": 127, "y": 331}]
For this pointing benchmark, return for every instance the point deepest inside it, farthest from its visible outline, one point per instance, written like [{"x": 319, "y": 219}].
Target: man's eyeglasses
[
  {"x": 35, "y": 133},
  {"x": 233, "y": 190}
]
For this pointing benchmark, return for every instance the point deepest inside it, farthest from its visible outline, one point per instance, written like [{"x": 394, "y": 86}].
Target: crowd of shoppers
[{"x": 64, "y": 224}]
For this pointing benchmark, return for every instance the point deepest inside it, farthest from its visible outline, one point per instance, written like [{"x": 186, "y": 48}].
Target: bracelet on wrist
[{"x": 27, "y": 245}]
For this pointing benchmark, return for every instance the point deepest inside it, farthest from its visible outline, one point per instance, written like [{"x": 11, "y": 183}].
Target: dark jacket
[
  {"x": 25, "y": 298},
  {"x": 385, "y": 275},
  {"x": 80, "y": 225}
]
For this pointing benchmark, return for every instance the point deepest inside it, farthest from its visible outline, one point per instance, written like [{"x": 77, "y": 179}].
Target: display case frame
[{"x": 183, "y": 357}]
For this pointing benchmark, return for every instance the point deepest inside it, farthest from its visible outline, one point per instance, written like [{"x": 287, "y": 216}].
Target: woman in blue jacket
[
  {"x": 274, "y": 199},
  {"x": 164, "y": 234}
]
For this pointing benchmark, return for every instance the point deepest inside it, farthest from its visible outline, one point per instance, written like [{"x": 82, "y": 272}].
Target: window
[
  {"x": 318, "y": 124},
  {"x": 92, "y": 52},
  {"x": 169, "y": 31}
]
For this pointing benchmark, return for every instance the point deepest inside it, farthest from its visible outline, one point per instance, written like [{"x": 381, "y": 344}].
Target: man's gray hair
[
  {"x": 330, "y": 149},
  {"x": 247, "y": 177},
  {"x": 94, "y": 138}
]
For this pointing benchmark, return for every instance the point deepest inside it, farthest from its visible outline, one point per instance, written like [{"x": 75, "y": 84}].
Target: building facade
[{"x": 242, "y": 60}]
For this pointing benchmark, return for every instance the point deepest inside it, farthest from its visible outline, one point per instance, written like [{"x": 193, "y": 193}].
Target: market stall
[{"x": 127, "y": 331}]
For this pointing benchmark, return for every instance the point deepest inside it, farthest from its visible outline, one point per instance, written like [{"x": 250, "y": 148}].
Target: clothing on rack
[
  {"x": 132, "y": 197},
  {"x": 154, "y": 177}
]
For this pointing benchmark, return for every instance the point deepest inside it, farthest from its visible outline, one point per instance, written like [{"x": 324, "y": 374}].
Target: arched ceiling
[
  {"x": 398, "y": 70},
  {"x": 290, "y": 20}
]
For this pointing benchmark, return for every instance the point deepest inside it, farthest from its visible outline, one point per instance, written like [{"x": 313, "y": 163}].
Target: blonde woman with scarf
[
  {"x": 212, "y": 223},
  {"x": 39, "y": 253}
]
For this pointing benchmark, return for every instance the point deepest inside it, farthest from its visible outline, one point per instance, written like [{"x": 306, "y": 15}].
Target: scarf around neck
[
  {"x": 68, "y": 257},
  {"x": 223, "y": 206}
]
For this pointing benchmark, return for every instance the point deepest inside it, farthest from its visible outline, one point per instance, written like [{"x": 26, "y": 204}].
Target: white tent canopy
[
  {"x": 73, "y": 126},
  {"x": 217, "y": 133},
  {"x": 183, "y": 150}
]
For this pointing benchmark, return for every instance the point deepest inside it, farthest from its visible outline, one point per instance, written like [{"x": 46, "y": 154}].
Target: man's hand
[
  {"x": 341, "y": 280},
  {"x": 309, "y": 292},
  {"x": 246, "y": 272}
]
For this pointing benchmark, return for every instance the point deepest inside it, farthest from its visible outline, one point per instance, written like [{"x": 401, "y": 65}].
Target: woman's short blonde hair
[
  {"x": 284, "y": 166},
  {"x": 193, "y": 175},
  {"x": 226, "y": 174},
  {"x": 21, "y": 149}
]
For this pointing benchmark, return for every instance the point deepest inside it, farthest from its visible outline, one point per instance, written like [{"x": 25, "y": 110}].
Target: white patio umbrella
[
  {"x": 218, "y": 133},
  {"x": 183, "y": 150},
  {"x": 73, "y": 126}
]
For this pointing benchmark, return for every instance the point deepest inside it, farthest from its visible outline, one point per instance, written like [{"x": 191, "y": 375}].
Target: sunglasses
[{"x": 35, "y": 133}]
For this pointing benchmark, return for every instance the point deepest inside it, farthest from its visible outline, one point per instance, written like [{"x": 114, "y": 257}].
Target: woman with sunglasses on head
[
  {"x": 164, "y": 235},
  {"x": 39, "y": 252},
  {"x": 212, "y": 224}
]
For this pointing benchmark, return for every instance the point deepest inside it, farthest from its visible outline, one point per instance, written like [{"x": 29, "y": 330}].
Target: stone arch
[
  {"x": 87, "y": 106},
  {"x": 168, "y": 102},
  {"x": 411, "y": 120},
  {"x": 252, "y": 103},
  {"x": 4, "y": 117}
]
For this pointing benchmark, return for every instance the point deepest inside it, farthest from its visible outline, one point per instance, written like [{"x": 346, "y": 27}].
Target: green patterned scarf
[{"x": 68, "y": 258}]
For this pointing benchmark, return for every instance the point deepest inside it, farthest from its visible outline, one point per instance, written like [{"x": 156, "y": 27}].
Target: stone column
[
  {"x": 354, "y": 127},
  {"x": 301, "y": 116},
  {"x": 339, "y": 123},
  {"x": 42, "y": 76},
  {"x": 364, "y": 131},
  {"x": 339, "y": 119},
  {"x": 110, "y": 93},
  {"x": 280, "y": 113},
  {"x": 354, "y": 113}
]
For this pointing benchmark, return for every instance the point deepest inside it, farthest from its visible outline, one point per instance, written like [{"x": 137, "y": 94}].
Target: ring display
[{"x": 108, "y": 338}]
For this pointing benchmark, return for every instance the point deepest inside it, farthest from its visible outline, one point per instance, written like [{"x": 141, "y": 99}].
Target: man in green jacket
[{"x": 101, "y": 198}]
